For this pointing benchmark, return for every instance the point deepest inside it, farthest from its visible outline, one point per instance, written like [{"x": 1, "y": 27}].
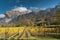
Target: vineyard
[{"x": 32, "y": 33}]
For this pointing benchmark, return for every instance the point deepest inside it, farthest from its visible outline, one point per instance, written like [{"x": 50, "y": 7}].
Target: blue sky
[{"x": 10, "y": 4}]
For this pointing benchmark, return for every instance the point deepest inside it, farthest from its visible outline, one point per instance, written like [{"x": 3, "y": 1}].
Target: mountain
[{"x": 21, "y": 15}]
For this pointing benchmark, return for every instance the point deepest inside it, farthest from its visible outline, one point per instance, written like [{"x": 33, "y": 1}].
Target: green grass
[{"x": 47, "y": 38}]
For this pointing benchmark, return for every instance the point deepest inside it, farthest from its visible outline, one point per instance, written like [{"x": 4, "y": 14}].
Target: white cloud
[
  {"x": 34, "y": 8},
  {"x": 2, "y": 15},
  {"x": 43, "y": 8},
  {"x": 20, "y": 9},
  {"x": 29, "y": 11}
]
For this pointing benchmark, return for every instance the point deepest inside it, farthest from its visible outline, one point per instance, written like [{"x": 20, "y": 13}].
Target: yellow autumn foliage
[{"x": 12, "y": 30}]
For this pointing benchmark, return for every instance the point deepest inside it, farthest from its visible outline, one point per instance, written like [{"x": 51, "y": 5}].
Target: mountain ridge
[{"x": 17, "y": 16}]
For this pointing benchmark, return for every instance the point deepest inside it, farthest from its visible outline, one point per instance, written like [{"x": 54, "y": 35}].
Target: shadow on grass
[{"x": 54, "y": 36}]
